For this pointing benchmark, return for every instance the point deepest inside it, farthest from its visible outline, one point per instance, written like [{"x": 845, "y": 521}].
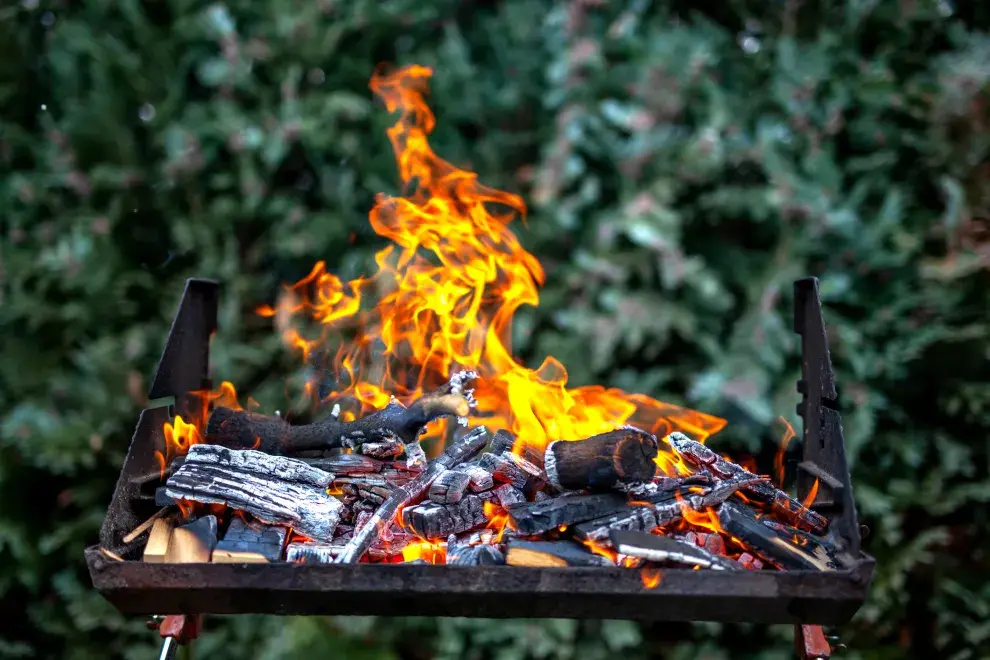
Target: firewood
[
  {"x": 462, "y": 450},
  {"x": 625, "y": 455},
  {"x": 274, "y": 489},
  {"x": 449, "y": 487},
  {"x": 156, "y": 549},
  {"x": 505, "y": 442},
  {"x": 431, "y": 520},
  {"x": 598, "y": 530},
  {"x": 551, "y": 553},
  {"x": 313, "y": 553},
  {"x": 504, "y": 470},
  {"x": 507, "y": 494},
  {"x": 532, "y": 518},
  {"x": 394, "y": 423},
  {"x": 780, "y": 545},
  {"x": 250, "y": 543},
  {"x": 345, "y": 464},
  {"x": 194, "y": 542},
  {"x": 481, "y": 479},
  {"x": 667, "y": 550}
]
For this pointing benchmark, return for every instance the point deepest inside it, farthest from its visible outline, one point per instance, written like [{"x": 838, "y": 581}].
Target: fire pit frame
[{"x": 808, "y": 597}]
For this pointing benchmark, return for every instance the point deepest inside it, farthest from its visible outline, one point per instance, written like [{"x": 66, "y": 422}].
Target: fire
[
  {"x": 651, "y": 577},
  {"x": 433, "y": 552},
  {"x": 602, "y": 550},
  {"x": 453, "y": 279},
  {"x": 179, "y": 436},
  {"x": 498, "y": 519},
  {"x": 785, "y": 440},
  {"x": 812, "y": 494}
]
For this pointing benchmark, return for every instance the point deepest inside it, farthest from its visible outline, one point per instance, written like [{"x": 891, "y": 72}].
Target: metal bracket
[{"x": 824, "y": 444}]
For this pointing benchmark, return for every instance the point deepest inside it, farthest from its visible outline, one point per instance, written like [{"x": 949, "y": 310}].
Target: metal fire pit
[{"x": 809, "y": 597}]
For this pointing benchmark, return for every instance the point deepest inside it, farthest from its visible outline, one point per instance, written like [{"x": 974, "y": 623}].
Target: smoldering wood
[
  {"x": 780, "y": 545},
  {"x": 381, "y": 450},
  {"x": 665, "y": 549},
  {"x": 635, "y": 518},
  {"x": 361, "y": 480},
  {"x": 431, "y": 520},
  {"x": 534, "y": 518},
  {"x": 346, "y": 464},
  {"x": 395, "y": 422},
  {"x": 505, "y": 442},
  {"x": 504, "y": 470},
  {"x": 475, "y": 555},
  {"x": 274, "y": 489},
  {"x": 193, "y": 542},
  {"x": 462, "y": 450},
  {"x": 625, "y": 455},
  {"x": 449, "y": 487},
  {"x": 507, "y": 494},
  {"x": 749, "y": 562},
  {"x": 520, "y": 552},
  {"x": 368, "y": 496},
  {"x": 313, "y": 553},
  {"x": 481, "y": 479}
]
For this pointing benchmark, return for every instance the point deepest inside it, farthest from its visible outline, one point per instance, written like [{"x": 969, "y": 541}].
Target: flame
[
  {"x": 498, "y": 519},
  {"x": 601, "y": 550},
  {"x": 812, "y": 494},
  {"x": 432, "y": 551},
  {"x": 445, "y": 293},
  {"x": 651, "y": 577},
  {"x": 778, "y": 461},
  {"x": 180, "y": 435}
]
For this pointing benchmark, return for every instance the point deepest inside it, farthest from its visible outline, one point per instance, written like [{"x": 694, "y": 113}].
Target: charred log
[
  {"x": 625, "y": 455},
  {"x": 635, "y": 518},
  {"x": 346, "y": 464},
  {"x": 273, "y": 489},
  {"x": 481, "y": 479},
  {"x": 781, "y": 545},
  {"x": 250, "y": 543},
  {"x": 538, "y": 517},
  {"x": 667, "y": 550},
  {"x": 507, "y": 494},
  {"x": 433, "y": 520},
  {"x": 449, "y": 487}
]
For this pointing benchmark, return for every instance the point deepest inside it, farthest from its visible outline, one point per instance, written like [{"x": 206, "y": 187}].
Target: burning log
[
  {"x": 551, "y": 553},
  {"x": 449, "y": 487},
  {"x": 534, "y": 518},
  {"x": 462, "y": 450},
  {"x": 394, "y": 423},
  {"x": 625, "y": 455},
  {"x": 274, "y": 489},
  {"x": 782, "y": 546},
  {"x": 246, "y": 543},
  {"x": 433, "y": 520},
  {"x": 663, "y": 549}
]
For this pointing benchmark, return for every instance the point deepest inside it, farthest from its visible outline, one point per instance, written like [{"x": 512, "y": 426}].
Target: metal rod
[{"x": 169, "y": 647}]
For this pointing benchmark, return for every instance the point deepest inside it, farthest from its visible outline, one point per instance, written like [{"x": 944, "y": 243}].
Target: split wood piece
[
  {"x": 663, "y": 549},
  {"x": 474, "y": 555},
  {"x": 507, "y": 494},
  {"x": 146, "y": 525},
  {"x": 637, "y": 518},
  {"x": 346, "y": 464},
  {"x": 193, "y": 543},
  {"x": 625, "y": 455},
  {"x": 273, "y": 489},
  {"x": 538, "y": 517},
  {"x": 462, "y": 450},
  {"x": 481, "y": 479},
  {"x": 156, "y": 549},
  {"x": 780, "y": 545},
  {"x": 313, "y": 553},
  {"x": 431, "y": 520},
  {"x": 449, "y": 487},
  {"x": 250, "y": 543},
  {"x": 505, "y": 442},
  {"x": 551, "y": 553},
  {"x": 395, "y": 422}
]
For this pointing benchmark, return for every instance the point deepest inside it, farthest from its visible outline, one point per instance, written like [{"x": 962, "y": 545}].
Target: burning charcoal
[
  {"x": 507, "y": 494},
  {"x": 449, "y": 487},
  {"x": 394, "y": 477},
  {"x": 504, "y": 442},
  {"x": 432, "y": 520},
  {"x": 349, "y": 490},
  {"x": 381, "y": 449},
  {"x": 749, "y": 562},
  {"x": 474, "y": 555},
  {"x": 714, "y": 543},
  {"x": 474, "y": 538},
  {"x": 540, "y": 496},
  {"x": 394, "y": 423},
  {"x": 661, "y": 549},
  {"x": 369, "y": 496},
  {"x": 361, "y": 506},
  {"x": 532, "y": 518},
  {"x": 504, "y": 470},
  {"x": 161, "y": 498},
  {"x": 345, "y": 464},
  {"x": 312, "y": 553},
  {"x": 551, "y": 553},
  {"x": 247, "y": 543},
  {"x": 193, "y": 543},
  {"x": 782, "y": 546},
  {"x": 481, "y": 479},
  {"x": 462, "y": 450},
  {"x": 625, "y": 455},
  {"x": 636, "y": 518},
  {"x": 273, "y": 489},
  {"x": 362, "y": 480},
  {"x": 783, "y": 506}
]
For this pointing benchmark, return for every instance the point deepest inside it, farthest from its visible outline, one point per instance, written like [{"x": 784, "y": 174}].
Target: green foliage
[{"x": 682, "y": 168}]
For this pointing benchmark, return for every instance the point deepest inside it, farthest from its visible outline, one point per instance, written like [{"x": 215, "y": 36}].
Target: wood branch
[
  {"x": 668, "y": 550},
  {"x": 394, "y": 423},
  {"x": 599, "y": 530},
  {"x": 250, "y": 543},
  {"x": 538, "y": 517},
  {"x": 551, "y": 553},
  {"x": 273, "y": 489},
  {"x": 783, "y": 546},
  {"x": 625, "y": 455},
  {"x": 193, "y": 543},
  {"x": 431, "y": 520},
  {"x": 505, "y": 442},
  {"x": 156, "y": 549},
  {"x": 462, "y": 450},
  {"x": 449, "y": 487}
]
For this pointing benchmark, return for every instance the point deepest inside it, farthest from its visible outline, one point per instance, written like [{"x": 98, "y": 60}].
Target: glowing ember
[
  {"x": 434, "y": 553},
  {"x": 651, "y": 577}
]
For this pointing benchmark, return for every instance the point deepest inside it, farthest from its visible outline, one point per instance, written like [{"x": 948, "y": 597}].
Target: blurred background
[{"x": 683, "y": 164}]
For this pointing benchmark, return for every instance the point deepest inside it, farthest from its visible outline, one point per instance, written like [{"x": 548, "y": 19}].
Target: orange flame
[
  {"x": 651, "y": 577},
  {"x": 498, "y": 519},
  {"x": 812, "y": 494},
  {"x": 787, "y": 435},
  {"x": 447, "y": 290},
  {"x": 431, "y": 551},
  {"x": 601, "y": 550}
]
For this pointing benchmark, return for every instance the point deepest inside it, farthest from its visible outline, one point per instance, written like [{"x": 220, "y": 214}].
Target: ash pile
[{"x": 262, "y": 490}]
